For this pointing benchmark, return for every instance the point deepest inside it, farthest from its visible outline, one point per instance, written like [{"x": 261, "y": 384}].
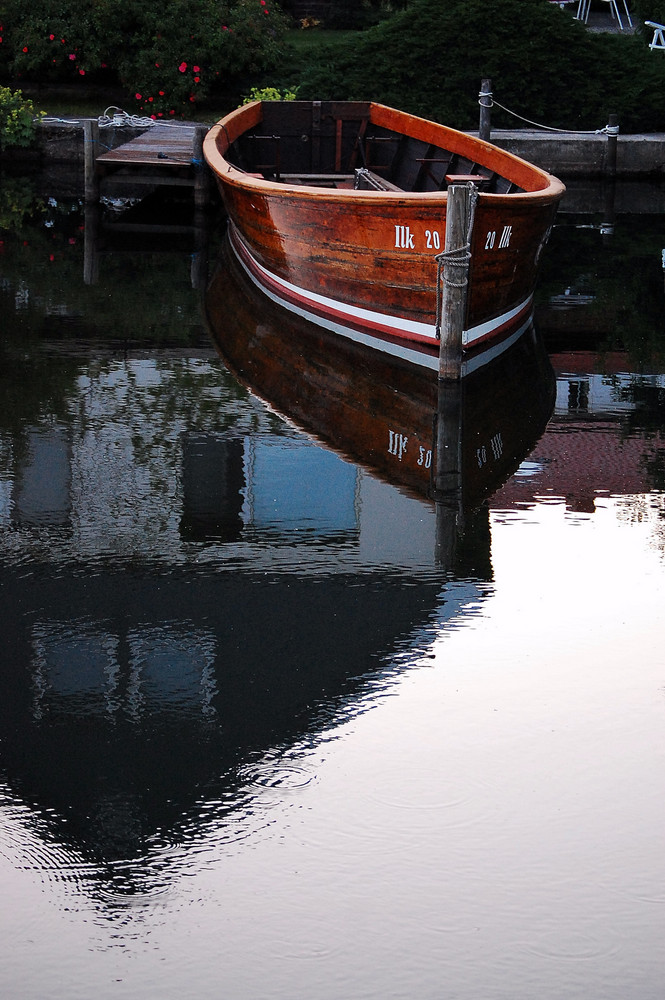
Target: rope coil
[{"x": 123, "y": 119}]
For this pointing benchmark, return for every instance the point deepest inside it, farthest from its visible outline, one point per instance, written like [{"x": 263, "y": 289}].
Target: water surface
[{"x": 256, "y": 738}]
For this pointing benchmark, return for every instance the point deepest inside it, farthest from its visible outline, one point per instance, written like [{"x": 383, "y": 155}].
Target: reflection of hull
[
  {"x": 339, "y": 209},
  {"x": 380, "y": 411}
]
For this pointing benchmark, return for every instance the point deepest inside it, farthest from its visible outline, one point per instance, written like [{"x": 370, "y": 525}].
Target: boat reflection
[{"x": 450, "y": 443}]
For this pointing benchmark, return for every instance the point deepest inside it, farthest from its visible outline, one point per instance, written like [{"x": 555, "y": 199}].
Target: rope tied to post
[{"x": 605, "y": 130}]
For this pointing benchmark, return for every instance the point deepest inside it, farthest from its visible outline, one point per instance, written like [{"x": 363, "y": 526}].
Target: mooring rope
[{"x": 606, "y": 129}]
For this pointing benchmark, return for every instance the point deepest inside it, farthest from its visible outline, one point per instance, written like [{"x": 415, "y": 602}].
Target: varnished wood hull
[
  {"x": 363, "y": 262},
  {"x": 380, "y": 412}
]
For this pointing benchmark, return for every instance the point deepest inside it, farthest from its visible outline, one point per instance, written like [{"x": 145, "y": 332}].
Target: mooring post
[
  {"x": 201, "y": 174},
  {"x": 485, "y": 101},
  {"x": 90, "y": 147},
  {"x": 612, "y": 142},
  {"x": 455, "y": 259}
]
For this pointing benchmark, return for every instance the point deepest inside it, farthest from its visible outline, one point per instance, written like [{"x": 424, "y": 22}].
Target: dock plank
[{"x": 167, "y": 145}]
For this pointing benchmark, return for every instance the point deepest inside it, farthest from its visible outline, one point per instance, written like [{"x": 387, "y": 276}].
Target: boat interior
[{"x": 337, "y": 145}]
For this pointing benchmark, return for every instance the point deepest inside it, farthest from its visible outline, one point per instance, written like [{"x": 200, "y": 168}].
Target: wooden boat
[
  {"x": 398, "y": 421},
  {"x": 338, "y": 210}
]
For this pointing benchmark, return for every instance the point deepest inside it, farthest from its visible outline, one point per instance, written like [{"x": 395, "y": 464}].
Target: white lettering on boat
[
  {"x": 496, "y": 447},
  {"x": 425, "y": 457},
  {"x": 496, "y": 444},
  {"x": 504, "y": 239},
  {"x": 433, "y": 239},
  {"x": 397, "y": 444},
  {"x": 403, "y": 238}
]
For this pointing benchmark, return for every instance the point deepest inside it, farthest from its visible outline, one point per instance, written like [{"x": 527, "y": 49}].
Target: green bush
[
  {"x": 17, "y": 119},
  {"x": 167, "y": 57},
  {"x": 430, "y": 58}
]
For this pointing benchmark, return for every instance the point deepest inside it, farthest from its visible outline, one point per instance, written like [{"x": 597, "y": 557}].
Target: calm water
[{"x": 261, "y": 736}]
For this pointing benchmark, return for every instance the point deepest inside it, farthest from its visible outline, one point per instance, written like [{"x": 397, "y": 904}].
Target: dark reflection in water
[{"x": 192, "y": 586}]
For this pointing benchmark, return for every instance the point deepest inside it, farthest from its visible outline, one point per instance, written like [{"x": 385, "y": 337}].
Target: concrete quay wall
[{"x": 568, "y": 155}]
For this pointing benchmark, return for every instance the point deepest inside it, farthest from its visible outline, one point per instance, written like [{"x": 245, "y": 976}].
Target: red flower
[
  {"x": 196, "y": 69},
  {"x": 52, "y": 37},
  {"x": 25, "y": 48},
  {"x": 138, "y": 97},
  {"x": 161, "y": 93},
  {"x": 182, "y": 67},
  {"x": 197, "y": 79}
]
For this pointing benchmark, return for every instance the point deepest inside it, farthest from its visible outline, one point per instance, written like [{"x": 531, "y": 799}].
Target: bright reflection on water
[{"x": 255, "y": 741}]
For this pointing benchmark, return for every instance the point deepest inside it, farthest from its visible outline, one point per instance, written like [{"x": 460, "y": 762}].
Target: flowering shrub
[
  {"x": 168, "y": 57},
  {"x": 17, "y": 119}
]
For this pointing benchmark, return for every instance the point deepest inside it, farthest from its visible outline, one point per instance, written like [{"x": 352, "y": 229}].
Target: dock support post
[
  {"x": 201, "y": 175},
  {"x": 90, "y": 147},
  {"x": 485, "y": 101}
]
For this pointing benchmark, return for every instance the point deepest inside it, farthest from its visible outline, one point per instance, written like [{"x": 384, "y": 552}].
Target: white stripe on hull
[{"x": 345, "y": 320}]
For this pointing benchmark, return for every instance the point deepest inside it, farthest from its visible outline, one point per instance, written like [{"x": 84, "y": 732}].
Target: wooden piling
[
  {"x": 485, "y": 101},
  {"x": 455, "y": 259},
  {"x": 612, "y": 142},
  {"x": 90, "y": 150}
]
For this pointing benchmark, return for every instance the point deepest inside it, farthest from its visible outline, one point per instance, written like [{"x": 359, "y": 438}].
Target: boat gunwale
[{"x": 236, "y": 177}]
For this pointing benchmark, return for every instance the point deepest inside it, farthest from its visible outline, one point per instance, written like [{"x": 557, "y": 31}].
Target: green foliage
[
  {"x": 269, "y": 94},
  {"x": 430, "y": 58},
  {"x": 17, "y": 202},
  {"x": 168, "y": 57},
  {"x": 17, "y": 119}
]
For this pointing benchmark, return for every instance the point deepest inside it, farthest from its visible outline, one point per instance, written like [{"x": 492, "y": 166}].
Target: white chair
[
  {"x": 585, "y": 7},
  {"x": 658, "y": 40}
]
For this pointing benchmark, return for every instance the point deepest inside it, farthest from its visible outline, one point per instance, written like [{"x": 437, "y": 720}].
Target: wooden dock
[{"x": 162, "y": 155}]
